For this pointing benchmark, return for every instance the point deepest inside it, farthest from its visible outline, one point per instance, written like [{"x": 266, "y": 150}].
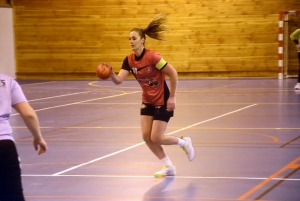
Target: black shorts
[
  {"x": 10, "y": 172},
  {"x": 158, "y": 112}
]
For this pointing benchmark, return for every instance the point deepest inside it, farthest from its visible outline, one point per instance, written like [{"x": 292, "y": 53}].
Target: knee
[
  {"x": 146, "y": 138},
  {"x": 156, "y": 140}
]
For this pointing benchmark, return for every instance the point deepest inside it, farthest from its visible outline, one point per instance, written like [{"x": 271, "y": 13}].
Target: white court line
[
  {"x": 97, "y": 159},
  {"x": 58, "y": 96},
  {"x": 81, "y": 102},
  {"x": 177, "y": 177},
  {"x": 122, "y": 150},
  {"x": 210, "y": 119},
  {"x": 36, "y": 83}
]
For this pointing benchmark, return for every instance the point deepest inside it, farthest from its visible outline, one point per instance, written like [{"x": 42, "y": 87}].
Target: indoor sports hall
[
  {"x": 245, "y": 132},
  {"x": 237, "y": 70}
]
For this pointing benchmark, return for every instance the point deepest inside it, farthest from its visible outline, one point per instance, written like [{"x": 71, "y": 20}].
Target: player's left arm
[
  {"x": 31, "y": 120},
  {"x": 295, "y": 37},
  {"x": 170, "y": 71}
]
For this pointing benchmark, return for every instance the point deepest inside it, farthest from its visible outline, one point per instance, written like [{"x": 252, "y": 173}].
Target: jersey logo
[
  {"x": 153, "y": 82},
  {"x": 135, "y": 70},
  {"x": 149, "y": 69}
]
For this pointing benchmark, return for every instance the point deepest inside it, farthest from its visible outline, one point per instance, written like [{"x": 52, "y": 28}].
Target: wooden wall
[
  {"x": 67, "y": 39},
  {"x": 4, "y": 3}
]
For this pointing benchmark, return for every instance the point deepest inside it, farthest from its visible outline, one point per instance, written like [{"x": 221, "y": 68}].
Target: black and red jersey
[{"x": 147, "y": 71}]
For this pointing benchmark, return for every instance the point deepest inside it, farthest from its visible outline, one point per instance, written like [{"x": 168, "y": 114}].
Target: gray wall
[{"x": 7, "y": 52}]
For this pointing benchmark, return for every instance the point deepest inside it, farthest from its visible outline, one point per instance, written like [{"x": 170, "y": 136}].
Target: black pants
[{"x": 10, "y": 173}]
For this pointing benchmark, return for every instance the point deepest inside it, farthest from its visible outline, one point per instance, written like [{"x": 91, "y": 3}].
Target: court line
[
  {"x": 130, "y": 127},
  {"x": 146, "y": 176},
  {"x": 58, "y": 96},
  {"x": 199, "y": 104},
  {"x": 128, "y": 148},
  {"x": 276, "y": 184},
  {"x": 289, "y": 142},
  {"x": 97, "y": 159},
  {"x": 36, "y": 83},
  {"x": 111, "y": 197},
  {"x": 81, "y": 102},
  {"x": 112, "y": 86},
  {"x": 291, "y": 165},
  {"x": 210, "y": 119}
]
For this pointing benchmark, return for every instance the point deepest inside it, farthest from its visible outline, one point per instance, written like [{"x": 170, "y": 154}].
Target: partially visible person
[
  {"x": 158, "y": 100},
  {"x": 295, "y": 37},
  {"x": 11, "y": 95}
]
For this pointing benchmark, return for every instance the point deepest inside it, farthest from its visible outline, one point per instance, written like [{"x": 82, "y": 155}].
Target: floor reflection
[{"x": 167, "y": 190}]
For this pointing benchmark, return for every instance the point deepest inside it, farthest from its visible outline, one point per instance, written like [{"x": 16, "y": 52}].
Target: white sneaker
[
  {"x": 188, "y": 148},
  {"x": 297, "y": 87},
  {"x": 165, "y": 171}
]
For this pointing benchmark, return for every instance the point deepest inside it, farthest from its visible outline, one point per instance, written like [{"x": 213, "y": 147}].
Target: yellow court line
[
  {"x": 291, "y": 165},
  {"x": 275, "y": 139},
  {"x": 112, "y": 88}
]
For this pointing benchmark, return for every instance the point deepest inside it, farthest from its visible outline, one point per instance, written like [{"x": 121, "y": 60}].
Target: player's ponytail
[{"x": 155, "y": 29}]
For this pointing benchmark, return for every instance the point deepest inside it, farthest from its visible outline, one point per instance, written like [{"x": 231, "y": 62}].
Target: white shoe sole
[{"x": 159, "y": 175}]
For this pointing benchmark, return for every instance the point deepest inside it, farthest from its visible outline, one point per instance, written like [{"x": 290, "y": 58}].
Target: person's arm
[
  {"x": 295, "y": 36},
  {"x": 172, "y": 73},
  {"x": 118, "y": 79},
  {"x": 31, "y": 121}
]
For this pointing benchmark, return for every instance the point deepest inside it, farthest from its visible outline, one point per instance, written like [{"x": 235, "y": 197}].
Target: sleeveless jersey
[{"x": 147, "y": 71}]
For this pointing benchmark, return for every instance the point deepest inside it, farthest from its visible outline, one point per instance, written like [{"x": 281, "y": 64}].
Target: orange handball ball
[{"x": 103, "y": 71}]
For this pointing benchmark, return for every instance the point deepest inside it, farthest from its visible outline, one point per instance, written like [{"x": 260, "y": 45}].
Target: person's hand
[
  {"x": 40, "y": 145},
  {"x": 171, "y": 104},
  {"x": 298, "y": 47},
  {"x": 111, "y": 69}
]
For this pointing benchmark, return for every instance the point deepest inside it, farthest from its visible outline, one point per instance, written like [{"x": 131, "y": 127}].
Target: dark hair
[{"x": 155, "y": 29}]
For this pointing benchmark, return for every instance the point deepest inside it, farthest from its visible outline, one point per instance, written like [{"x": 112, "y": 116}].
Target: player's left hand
[
  {"x": 40, "y": 145},
  {"x": 171, "y": 103}
]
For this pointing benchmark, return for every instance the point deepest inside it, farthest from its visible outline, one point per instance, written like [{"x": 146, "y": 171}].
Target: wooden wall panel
[
  {"x": 3, "y": 2},
  {"x": 63, "y": 39}
]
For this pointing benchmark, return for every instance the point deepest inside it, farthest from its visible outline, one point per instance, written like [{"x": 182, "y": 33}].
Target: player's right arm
[{"x": 118, "y": 79}]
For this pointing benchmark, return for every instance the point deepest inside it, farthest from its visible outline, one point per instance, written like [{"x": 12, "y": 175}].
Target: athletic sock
[
  {"x": 181, "y": 142},
  {"x": 166, "y": 161}
]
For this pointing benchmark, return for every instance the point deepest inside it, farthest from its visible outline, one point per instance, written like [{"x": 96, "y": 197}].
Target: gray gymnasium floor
[{"x": 246, "y": 133}]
